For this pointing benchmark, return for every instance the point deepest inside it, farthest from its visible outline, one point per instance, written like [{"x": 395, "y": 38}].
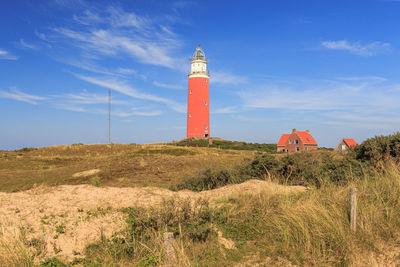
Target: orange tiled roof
[
  {"x": 283, "y": 139},
  {"x": 350, "y": 142},
  {"x": 306, "y": 138}
]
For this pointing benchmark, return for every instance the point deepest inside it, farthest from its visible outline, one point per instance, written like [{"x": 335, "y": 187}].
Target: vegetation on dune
[
  {"x": 309, "y": 169},
  {"x": 304, "y": 229},
  {"x": 301, "y": 228},
  {"x": 226, "y": 144}
]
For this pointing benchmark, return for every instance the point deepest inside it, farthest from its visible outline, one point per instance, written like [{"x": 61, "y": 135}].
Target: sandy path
[{"x": 83, "y": 212}]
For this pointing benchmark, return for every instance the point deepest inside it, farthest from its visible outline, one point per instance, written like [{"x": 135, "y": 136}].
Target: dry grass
[{"x": 119, "y": 165}]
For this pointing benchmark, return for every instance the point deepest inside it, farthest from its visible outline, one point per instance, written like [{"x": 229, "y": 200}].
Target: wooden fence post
[
  {"x": 353, "y": 209},
  {"x": 170, "y": 257}
]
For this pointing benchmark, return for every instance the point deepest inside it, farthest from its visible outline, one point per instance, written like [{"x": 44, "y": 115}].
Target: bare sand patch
[{"x": 86, "y": 173}]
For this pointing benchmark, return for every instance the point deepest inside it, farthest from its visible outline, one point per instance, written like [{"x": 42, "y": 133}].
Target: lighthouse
[{"x": 198, "y": 116}]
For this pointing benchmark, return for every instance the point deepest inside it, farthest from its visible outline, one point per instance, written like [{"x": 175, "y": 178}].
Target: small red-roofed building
[
  {"x": 297, "y": 141},
  {"x": 346, "y": 145},
  {"x": 282, "y": 142}
]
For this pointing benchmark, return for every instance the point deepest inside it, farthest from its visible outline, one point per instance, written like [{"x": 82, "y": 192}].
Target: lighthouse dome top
[{"x": 199, "y": 54}]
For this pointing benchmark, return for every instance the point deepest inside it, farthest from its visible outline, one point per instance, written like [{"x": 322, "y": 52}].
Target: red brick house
[
  {"x": 297, "y": 141},
  {"x": 346, "y": 145}
]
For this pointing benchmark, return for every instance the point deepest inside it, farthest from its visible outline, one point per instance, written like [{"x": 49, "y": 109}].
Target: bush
[
  {"x": 379, "y": 149},
  {"x": 225, "y": 144},
  {"x": 309, "y": 169},
  {"x": 95, "y": 181},
  {"x": 206, "y": 180},
  {"x": 26, "y": 149}
]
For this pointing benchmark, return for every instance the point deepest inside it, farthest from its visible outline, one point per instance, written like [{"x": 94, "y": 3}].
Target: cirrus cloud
[{"x": 357, "y": 48}]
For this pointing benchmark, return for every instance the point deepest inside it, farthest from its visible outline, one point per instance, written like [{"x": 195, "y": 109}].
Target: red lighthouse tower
[{"x": 198, "y": 117}]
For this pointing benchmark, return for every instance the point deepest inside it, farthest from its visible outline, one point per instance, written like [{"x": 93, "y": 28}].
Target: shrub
[
  {"x": 225, "y": 144},
  {"x": 380, "y": 149},
  {"x": 26, "y": 149},
  {"x": 53, "y": 262},
  {"x": 95, "y": 181},
  {"x": 206, "y": 180}
]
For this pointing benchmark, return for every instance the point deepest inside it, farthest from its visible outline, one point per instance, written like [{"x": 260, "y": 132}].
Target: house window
[
  {"x": 290, "y": 141},
  {"x": 190, "y": 92},
  {"x": 297, "y": 148},
  {"x": 296, "y": 141},
  {"x": 343, "y": 147},
  {"x": 287, "y": 150},
  {"x": 190, "y": 115},
  {"x": 305, "y": 148}
]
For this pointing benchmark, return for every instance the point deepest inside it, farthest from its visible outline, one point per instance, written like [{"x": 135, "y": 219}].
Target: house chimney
[
  {"x": 294, "y": 130},
  {"x": 307, "y": 131}
]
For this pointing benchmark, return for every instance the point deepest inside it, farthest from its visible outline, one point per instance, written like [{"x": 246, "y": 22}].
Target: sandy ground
[{"x": 69, "y": 217}]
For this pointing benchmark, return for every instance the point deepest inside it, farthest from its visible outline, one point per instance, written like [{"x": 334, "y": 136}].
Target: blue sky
[{"x": 328, "y": 66}]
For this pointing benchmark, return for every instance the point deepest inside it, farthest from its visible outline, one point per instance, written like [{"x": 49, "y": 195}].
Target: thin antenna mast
[{"x": 109, "y": 116}]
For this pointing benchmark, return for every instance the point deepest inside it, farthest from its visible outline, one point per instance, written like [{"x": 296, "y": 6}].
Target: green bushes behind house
[{"x": 225, "y": 144}]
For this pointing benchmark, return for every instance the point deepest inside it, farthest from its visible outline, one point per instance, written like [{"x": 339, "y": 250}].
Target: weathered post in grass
[
  {"x": 353, "y": 209},
  {"x": 170, "y": 257}
]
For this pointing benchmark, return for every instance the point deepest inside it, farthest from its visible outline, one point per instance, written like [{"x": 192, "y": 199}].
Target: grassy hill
[
  {"x": 263, "y": 222},
  {"x": 119, "y": 165}
]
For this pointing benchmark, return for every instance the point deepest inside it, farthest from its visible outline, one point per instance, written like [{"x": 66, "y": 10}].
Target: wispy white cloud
[
  {"x": 226, "y": 110},
  {"x": 69, "y": 107},
  {"x": 41, "y": 35},
  {"x": 321, "y": 95},
  {"x": 93, "y": 103},
  {"x": 136, "y": 113},
  {"x": 68, "y": 3},
  {"x": 168, "y": 86},
  {"x": 15, "y": 94},
  {"x": 25, "y": 45},
  {"x": 7, "y": 55},
  {"x": 95, "y": 68},
  {"x": 86, "y": 98},
  {"x": 357, "y": 48},
  {"x": 226, "y": 78},
  {"x": 113, "y": 32},
  {"x": 363, "y": 78},
  {"x": 123, "y": 87},
  {"x": 109, "y": 43},
  {"x": 364, "y": 120},
  {"x": 358, "y": 100}
]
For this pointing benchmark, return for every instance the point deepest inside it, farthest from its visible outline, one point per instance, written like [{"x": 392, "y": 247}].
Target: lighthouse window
[
  {"x": 205, "y": 80},
  {"x": 190, "y": 115},
  {"x": 206, "y": 103},
  {"x": 190, "y": 92},
  {"x": 206, "y": 127}
]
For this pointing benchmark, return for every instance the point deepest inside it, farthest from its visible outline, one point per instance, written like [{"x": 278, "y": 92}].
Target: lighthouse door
[{"x": 206, "y": 135}]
